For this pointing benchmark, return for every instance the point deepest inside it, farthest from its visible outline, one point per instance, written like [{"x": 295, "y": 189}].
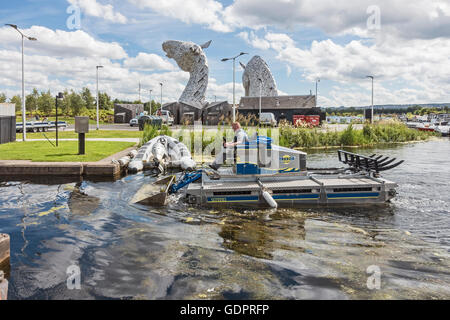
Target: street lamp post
[
  {"x": 371, "y": 77},
  {"x": 98, "y": 117},
  {"x": 150, "y": 101},
  {"x": 161, "y": 96},
  {"x": 24, "y": 115},
  {"x": 60, "y": 96},
  {"x": 317, "y": 81},
  {"x": 260, "y": 98},
  {"x": 234, "y": 81}
]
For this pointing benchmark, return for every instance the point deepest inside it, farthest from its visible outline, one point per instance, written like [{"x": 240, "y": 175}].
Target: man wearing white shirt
[{"x": 240, "y": 137}]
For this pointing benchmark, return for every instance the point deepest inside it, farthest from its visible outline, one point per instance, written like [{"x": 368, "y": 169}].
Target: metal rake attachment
[{"x": 374, "y": 163}]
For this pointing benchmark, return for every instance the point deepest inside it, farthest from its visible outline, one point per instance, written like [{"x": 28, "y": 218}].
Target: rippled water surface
[{"x": 133, "y": 252}]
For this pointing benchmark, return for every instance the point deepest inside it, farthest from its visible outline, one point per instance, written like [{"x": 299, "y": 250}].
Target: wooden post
[
  {"x": 4, "y": 265},
  {"x": 3, "y": 287},
  {"x": 4, "y": 251}
]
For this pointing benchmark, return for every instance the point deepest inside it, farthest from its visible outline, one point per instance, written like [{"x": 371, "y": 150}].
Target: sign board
[
  {"x": 82, "y": 124},
  {"x": 7, "y": 110}
]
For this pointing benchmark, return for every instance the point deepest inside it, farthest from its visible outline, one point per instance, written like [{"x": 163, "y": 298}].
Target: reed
[
  {"x": 295, "y": 137},
  {"x": 370, "y": 135}
]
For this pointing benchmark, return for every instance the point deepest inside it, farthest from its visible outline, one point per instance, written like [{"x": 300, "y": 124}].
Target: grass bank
[{"x": 43, "y": 151}]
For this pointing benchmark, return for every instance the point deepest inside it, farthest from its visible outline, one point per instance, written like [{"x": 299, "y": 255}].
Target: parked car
[
  {"x": 134, "y": 122},
  {"x": 151, "y": 120},
  {"x": 268, "y": 119},
  {"x": 166, "y": 116}
]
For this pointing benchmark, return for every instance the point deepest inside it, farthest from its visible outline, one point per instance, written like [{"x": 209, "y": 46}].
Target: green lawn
[
  {"x": 91, "y": 134},
  {"x": 43, "y": 151}
]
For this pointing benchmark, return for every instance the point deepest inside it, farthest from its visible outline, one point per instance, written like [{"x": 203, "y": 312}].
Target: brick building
[{"x": 123, "y": 113}]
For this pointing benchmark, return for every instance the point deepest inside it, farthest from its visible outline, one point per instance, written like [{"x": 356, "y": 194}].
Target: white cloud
[
  {"x": 204, "y": 12},
  {"x": 421, "y": 65},
  {"x": 148, "y": 62},
  {"x": 254, "y": 41},
  {"x": 425, "y": 19},
  {"x": 61, "y": 59},
  {"x": 224, "y": 91},
  {"x": 420, "y": 19},
  {"x": 62, "y": 43},
  {"x": 95, "y": 9}
]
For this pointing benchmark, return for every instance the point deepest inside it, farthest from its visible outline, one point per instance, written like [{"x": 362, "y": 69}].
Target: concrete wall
[{"x": 7, "y": 129}]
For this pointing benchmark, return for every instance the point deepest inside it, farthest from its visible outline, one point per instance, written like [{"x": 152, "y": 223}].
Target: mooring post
[
  {"x": 4, "y": 264},
  {"x": 3, "y": 287},
  {"x": 4, "y": 250}
]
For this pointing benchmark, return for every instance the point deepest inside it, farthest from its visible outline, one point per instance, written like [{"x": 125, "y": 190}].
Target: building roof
[
  {"x": 280, "y": 102},
  {"x": 218, "y": 103},
  {"x": 129, "y": 106}
]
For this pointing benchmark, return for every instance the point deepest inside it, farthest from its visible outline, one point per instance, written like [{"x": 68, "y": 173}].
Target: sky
[{"x": 404, "y": 44}]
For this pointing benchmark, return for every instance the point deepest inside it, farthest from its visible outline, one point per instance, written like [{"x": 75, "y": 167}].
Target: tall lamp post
[
  {"x": 260, "y": 98},
  {"x": 317, "y": 84},
  {"x": 98, "y": 117},
  {"x": 60, "y": 96},
  {"x": 161, "y": 96},
  {"x": 371, "y": 77},
  {"x": 150, "y": 101},
  {"x": 24, "y": 115},
  {"x": 139, "y": 91},
  {"x": 234, "y": 81}
]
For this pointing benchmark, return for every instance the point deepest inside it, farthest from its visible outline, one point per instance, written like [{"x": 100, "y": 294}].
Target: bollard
[
  {"x": 3, "y": 287},
  {"x": 4, "y": 250}
]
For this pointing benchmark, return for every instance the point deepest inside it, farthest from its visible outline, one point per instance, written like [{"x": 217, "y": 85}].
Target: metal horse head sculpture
[
  {"x": 257, "y": 69},
  {"x": 190, "y": 58}
]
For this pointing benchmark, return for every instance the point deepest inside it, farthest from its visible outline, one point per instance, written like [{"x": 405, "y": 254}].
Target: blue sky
[{"x": 404, "y": 44}]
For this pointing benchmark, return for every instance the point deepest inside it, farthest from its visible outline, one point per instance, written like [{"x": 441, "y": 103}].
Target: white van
[
  {"x": 268, "y": 119},
  {"x": 166, "y": 117}
]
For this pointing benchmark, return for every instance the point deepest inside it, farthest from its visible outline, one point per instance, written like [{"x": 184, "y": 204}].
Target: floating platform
[
  {"x": 266, "y": 175},
  {"x": 292, "y": 190}
]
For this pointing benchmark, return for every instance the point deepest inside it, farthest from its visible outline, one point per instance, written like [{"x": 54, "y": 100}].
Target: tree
[
  {"x": 18, "y": 102},
  {"x": 2, "y": 98},
  {"x": 152, "y": 107},
  {"x": 64, "y": 106},
  {"x": 76, "y": 103},
  {"x": 31, "y": 101},
  {"x": 105, "y": 102},
  {"x": 88, "y": 99},
  {"x": 46, "y": 103}
]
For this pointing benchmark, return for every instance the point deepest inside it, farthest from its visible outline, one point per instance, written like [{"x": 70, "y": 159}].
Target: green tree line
[
  {"x": 74, "y": 103},
  {"x": 415, "y": 110}
]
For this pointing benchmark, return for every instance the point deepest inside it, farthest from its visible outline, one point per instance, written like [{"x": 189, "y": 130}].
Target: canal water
[{"x": 396, "y": 251}]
